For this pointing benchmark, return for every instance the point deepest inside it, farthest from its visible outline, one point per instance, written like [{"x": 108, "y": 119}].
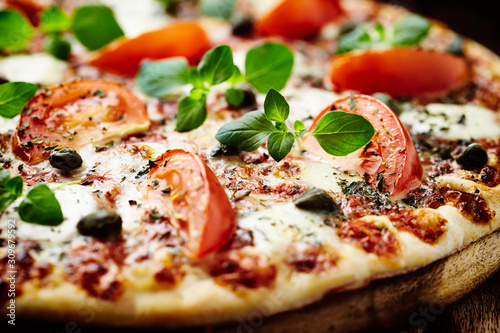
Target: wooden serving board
[{"x": 414, "y": 299}]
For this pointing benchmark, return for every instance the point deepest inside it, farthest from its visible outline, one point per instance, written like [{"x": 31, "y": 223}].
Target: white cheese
[
  {"x": 40, "y": 68},
  {"x": 453, "y": 122}
]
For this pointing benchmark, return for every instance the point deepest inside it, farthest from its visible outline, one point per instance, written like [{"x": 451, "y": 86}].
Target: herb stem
[{"x": 57, "y": 187}]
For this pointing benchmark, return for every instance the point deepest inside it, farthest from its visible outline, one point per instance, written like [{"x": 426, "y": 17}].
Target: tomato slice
[
  {"x": 179, "y": 39},
  {"x": 182, "y": 187},
  {"x": 399, "y": 72},
  {"x": 74, "y": 114},
  {"x": 298, "y": 18},
  {"x": 390, "y": 161},
  {"x": 30, "y": 8}
]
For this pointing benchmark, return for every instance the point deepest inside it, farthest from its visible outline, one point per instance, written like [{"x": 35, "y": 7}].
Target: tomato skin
[
  {"x": 179, "y": 39},
  {"x": 400, "y": 71},
  {"x": 297, "y": 19},
  {"x": 30, "y": 8},
  {"x": 74, "y": 114},
  {"x": 196, "y": 201},
  {"x": 390, "y": 154}
]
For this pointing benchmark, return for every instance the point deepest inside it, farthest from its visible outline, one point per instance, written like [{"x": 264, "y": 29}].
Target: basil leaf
[
  {"x": 235, "y": 96},
  {"x": 410, "y": 30},
  {"x": 276, "y": 107},
  {"x": 10, "y": 189},
  {"x": 54, "y": 20},
  {"x": 357, "y": 39},
  {"x": 279, "y": 145},
  {"x": 191, "y": 113},
  {"x": 15, "y": 31},
  {"x": 281, "y": 127},
  {"x": 217, "y": 65},
  {"x": 58, "y": 47},
  {"x": 95, "y": 26},
  {"x": 340, "y": 133},
  {"x": 236, "y": 77},
  {"x": 41, "y": 207},
  {"x": 158, "y": 78},
  {"x": 268, "y": 66},
  {"x": 217, "y": 8},
  {"x": 248, "y": 132},
  {"x": 300, "y": 128},
  {"x": 13, "y": 97},
  {"x": 380, "y": 30}
]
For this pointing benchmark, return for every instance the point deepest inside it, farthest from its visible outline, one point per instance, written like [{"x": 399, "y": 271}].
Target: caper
[
  {"x": 473, "y": 157},
  {"x": 316, "y": 200},
  {"x": 242, "y": 26},
  {"x": 65, "y": 159},
  {"x": 223, "y": 150},
  {"x": 100, "y": 224},
  {"x": 457, "y": 46},
  {"x": 249, "y": 100}
]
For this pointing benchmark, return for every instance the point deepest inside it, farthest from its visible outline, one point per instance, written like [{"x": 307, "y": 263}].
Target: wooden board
[{"x": 414, "y": 299}]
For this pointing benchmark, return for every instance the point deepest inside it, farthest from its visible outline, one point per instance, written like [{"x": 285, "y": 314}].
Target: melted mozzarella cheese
[
  {"x": 453, "y": 122},
  {"x": 40, "y": 68}
]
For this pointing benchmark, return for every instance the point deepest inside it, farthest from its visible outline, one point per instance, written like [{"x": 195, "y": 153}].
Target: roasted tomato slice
[
  {"x": 390, "y": 161},
  {"x": 184, "y": 189},
  {"x": 299, "y": 18},
  {"x": 180, "y": 39},
  {"x": 74, "y": 114},
  {"x": 30, "y": 8},
  {"x": 399, "y": 72}
]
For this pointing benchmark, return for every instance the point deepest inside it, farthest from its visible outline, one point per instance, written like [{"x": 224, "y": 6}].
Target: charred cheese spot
[
  {"x": 239, "y": 270},
  {"x": 472, "y": 206},
  {"x": 425, "y": 224},
  {"x": 305, "y": 258},
  {"x": 370, "y": 237}
]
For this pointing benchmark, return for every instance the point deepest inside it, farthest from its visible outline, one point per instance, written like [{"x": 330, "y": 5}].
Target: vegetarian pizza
[{"x": 181, "y": 163}]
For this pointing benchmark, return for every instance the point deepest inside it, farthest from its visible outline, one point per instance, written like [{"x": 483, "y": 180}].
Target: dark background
[{"x": 477, "y": 19}]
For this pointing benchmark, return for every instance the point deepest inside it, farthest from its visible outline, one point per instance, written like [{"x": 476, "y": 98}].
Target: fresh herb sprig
[
  {"x": 268, "y": 65},
  {"x": 39, "y": 205},
  {"x": 338, "y": 133},
  {"x": 14, "y": 96},
  {"x": 410, "y": 30},
  {"x": 94, "y": 26}
]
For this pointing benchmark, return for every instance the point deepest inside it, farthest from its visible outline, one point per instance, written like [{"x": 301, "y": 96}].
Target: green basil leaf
[
  {"x": 276, "y": 107},
  {"x": 15, "y": 31},
  {"x": 358, "y": 39},
  {"x": 217, "y": 65},
  {"x": 235, "y": 96},
  {"x": 380, "y": 30},
  {"x": 281, "y": 127},
  {"x": 15, "y": 186},
  {"x": 95, "y": 26},
  {"x": 191, "y": 113},
  {"x": 267, "y": 66},
  {"x": 340, "y": 133},
  {"x": 41, "y": 207},
  {"x": 58, "y": 47},
  {"x": 300, "y": 128},
  {"x": 217, "y": 8},
  {"x": 237, "y": 77},
  {"x": 14, "y": 96},
  {"x": 54, "y": 20},
  {"x": 410, "y": 30},
  {"x": 248, "y": 132},
  {"x": 159, "y": 78},
  {"x": 4, "y": 177},
  {"x": 279, "y": 145}
]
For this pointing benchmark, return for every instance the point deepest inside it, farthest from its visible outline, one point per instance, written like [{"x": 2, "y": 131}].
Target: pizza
[{"x": 186, "y": 162}]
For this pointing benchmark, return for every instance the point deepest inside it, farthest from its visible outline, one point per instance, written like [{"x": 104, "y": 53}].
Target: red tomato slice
[
  {"x": 299, "y": 18},
  {"x": 184, "y": 188},
  {"x": 74, "y": 114},
  {"x": 179, "y": 39},
  {"x": 30, "y": 8},
  {"x": 390, "y": 160},
  {"x": 399, "y": 72}
]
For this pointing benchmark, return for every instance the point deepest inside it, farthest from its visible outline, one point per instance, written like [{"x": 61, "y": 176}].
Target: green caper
[
  {"x": 242, "y": 26},
  {"x": 473, "y": 157},
  {"x": 316, "y": 200},
  {"x": 65, "y": 159},
  {"x": 100, "y": 224}
]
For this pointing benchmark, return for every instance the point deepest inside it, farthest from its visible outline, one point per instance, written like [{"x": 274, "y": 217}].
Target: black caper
[
  {"x": 101, "y": 224},
  {"x": 242, "y": 26},
  {"x": 223, "y": 150},
  {"x": 387, "y": 100},
  {"x": 473, "y": 157},
  {"x": 316, "y": 200},
  {"x": 457, "y": 46},
  {"x": 3, "y": 80},
  {"x": 65, "y": 159}
]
